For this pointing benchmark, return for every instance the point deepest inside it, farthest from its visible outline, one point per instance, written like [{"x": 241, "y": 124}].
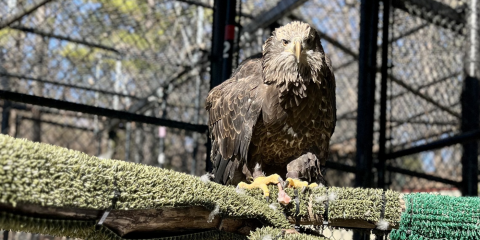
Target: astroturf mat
[{"x": 49, "y": 176}]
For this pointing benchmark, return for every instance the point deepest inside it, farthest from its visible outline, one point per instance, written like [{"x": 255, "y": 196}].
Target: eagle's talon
[
  {"x": 267, "y": 198},
  {"x": 296, "y": 183},
  {"x": 261, "y": 182}
]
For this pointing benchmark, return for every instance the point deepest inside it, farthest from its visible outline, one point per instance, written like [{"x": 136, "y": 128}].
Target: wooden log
[
  {"x": 175, "y": 220},
  {"x": 142, "y": 223}
]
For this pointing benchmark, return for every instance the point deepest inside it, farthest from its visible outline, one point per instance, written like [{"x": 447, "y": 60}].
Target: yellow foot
[
  {"x": 295, "y": 183},
  {"x": 261, "y": 182}
]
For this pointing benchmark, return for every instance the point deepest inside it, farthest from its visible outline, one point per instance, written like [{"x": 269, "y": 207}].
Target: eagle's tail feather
[{"x": 219, "y": 169}]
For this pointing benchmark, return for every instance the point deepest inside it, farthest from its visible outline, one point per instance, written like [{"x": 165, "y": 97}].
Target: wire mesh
[{"x": 152, "y": 58}]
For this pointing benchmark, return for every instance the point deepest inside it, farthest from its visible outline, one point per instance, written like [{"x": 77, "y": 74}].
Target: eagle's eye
[{"x": 285, "y": 42}]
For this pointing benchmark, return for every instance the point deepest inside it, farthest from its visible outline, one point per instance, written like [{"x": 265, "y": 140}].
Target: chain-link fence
[{"x": 127, "y": 79}]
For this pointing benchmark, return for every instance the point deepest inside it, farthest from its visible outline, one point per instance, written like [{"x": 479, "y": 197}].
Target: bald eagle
[{"x": 276, "y": 114}]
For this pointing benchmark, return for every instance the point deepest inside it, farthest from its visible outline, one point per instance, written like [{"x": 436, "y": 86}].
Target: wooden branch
[
  {"x": 140, "y": 223},
  {"x": 175, "y": 220}
]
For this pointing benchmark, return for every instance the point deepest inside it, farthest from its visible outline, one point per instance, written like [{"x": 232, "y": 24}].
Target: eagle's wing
[
  {"x": 234, "y": 107},
  {"x": 330, "y": 76}
]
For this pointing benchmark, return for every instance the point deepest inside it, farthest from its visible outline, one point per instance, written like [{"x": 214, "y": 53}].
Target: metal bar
[
  {"x": 67, "y": 85},
  {"x": 218, "y": 37},
  {"x": 229, "y": 40},
  {"x": 341, "y": 167},
  {"x": 470, "y": 104},
  {"x": 409, "y": 32},
  {"x": 272, "y": 15},
  {"x": 423, "y": 175},
  {"x": 20, "y": 15},
  {"x": 200, "y": 4},
  {"x": 347, "y": 168},
  {"x": 440, "y": 80},
  {"x": 337, "y": 44},
  {"x": 5, "y": 117},
  {"x": 47, "y": 102},
  {"x": 434, "y": 12},
  {"x": 57, "y": 124},
  {"x": 423, "y": 96},
  {"x": 403, "y": 121},
  {"x": 383, "y": 96},
  {"x": 470, "y": 121},
  {"x": 459, "y": 138},
  {"x": 369, "y": 11},
  {"x": 69, "y": 39}
]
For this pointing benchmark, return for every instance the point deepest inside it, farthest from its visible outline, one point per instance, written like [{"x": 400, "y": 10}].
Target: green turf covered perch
[{"x": 53, "y": 190}]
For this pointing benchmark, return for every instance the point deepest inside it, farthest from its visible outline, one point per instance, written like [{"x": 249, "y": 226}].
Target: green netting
[{"x": 430, "y": 216}]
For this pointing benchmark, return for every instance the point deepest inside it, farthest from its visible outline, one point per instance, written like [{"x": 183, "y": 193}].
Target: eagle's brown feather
[{"x": 274, "y": 112}]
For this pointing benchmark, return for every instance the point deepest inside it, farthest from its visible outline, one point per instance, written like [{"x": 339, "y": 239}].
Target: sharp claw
[
  {"x": 285, "y": 184},
  {"x": 267, "y": 198},
  {"x": 303, "y": 190},
  {"x": 280, "y": 179}
]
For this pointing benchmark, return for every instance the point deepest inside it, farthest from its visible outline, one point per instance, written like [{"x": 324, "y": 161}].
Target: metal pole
[
  {"x": 470, "y": 107},
  {"x": 97, "y": 132},
  {"x": 229, "y": 42},
  {"x": 162, "y": 130},
  {"x": 369, "y": 11},
  {"x": 366, "y": 91},
  {"x": 383, "y": 97},
  {"x": 219, "y": 20},
  {"x": 4, "y": 84}
]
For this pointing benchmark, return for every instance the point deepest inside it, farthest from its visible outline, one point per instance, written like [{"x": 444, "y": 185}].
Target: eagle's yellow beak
[{"x": 298, "y": 50}]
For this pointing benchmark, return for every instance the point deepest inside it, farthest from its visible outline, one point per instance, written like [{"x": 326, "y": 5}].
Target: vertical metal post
[
  {"x": 222, "y": 50},
  {"x": 4, "y": 81},
  {"x": 218, "y": 35},
  {"x": 96, "y": 129},
  {"x": 383, "y": 96},
  {"x": 229, "y": 42},
  {"x": 128, "y": 137},
  {"x": 161, "y": 130},
  {"x": 369, "y": 11},
  {"x": 5, "y": 117},
  {"x": 470, "y": 105},
  {"x": 5, "y": 85},
  {"x": 366, "y": 91}
]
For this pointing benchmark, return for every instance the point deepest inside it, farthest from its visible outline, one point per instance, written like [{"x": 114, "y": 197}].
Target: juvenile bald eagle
[{"x": 276, "y": 114}]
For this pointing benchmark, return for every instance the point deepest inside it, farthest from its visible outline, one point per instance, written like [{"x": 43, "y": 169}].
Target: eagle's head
[{"x": 293, "y": 55}]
